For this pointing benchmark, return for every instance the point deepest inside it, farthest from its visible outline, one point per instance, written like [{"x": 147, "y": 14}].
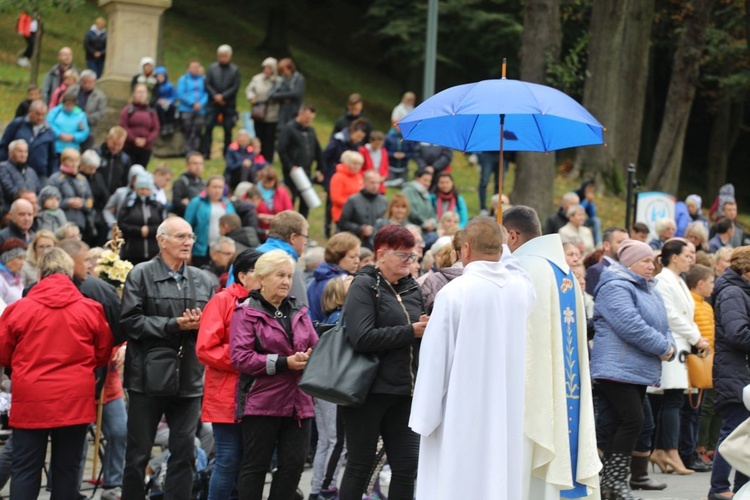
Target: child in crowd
[
  {"x": 162, "y": 178},
  {"x": 259, "y": 162},
  {"x": 240, "y": 160},
  {"x": 51, "y": 216},
  {"x": 164, "y": 97},
  {"x": 376, "y": 157},
  {"x": 700, "y": 281},
  {"x": 448, "y": 225}
]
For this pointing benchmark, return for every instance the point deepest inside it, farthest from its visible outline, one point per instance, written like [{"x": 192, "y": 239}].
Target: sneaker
[
  {"x": 23, "y": 62},
  {"x": 111, "y": 494}
]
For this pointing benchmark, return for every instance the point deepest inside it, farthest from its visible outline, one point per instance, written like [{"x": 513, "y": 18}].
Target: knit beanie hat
[
  {"x": 133, "y": 173},
  {"x": 144, "y": 180},
  {"x": 269, "y": 61},
  {"x": 48, "y": 192},
  {"x": 12, "y": 248},
  {"x": 631, "y": 251}
]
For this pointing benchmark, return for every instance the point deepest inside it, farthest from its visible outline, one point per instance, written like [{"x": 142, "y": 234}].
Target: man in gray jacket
[
  {"x": 363, "y": 209},
  {"x": 162, "y": 304},
  {"x": 222, "y": 84},
  {"x": 92, "y": 101}
]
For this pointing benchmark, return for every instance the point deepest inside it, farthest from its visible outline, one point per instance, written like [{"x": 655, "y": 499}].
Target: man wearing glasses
[{"x": 162, "y": 305}]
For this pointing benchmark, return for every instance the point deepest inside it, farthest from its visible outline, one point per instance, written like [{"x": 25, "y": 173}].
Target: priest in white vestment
[
  {"x": 560, "y": 457},
  {"x": 468, "y": 399}
]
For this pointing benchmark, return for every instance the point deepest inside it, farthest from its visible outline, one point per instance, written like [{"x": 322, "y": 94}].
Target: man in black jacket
[
  {"x": 560, "y": 218},
  {"x": 162, "y": 305},
  {"x": 298, "y": 146},
  {"x": 189, "y": 184},
  {"x": 222, "y": 83},
  {"x": 363, "y": 209},
  {"x": 354, "y": 111}
]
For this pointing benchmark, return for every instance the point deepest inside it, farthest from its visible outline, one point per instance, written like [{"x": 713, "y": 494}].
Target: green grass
[{"x": 193, "y": 29}]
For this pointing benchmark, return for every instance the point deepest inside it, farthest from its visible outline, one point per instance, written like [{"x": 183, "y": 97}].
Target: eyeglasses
[
  {"x": 182, "y": 237},
  {"x": 307, "y": 238},
  {"x": 405, "y": 256}
]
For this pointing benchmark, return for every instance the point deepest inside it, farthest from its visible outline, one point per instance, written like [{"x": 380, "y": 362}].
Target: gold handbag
[{"x": 700, "y": 367}]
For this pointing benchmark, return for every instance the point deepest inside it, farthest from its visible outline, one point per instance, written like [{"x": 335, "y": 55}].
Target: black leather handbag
[{"x": 336, "y": 372}]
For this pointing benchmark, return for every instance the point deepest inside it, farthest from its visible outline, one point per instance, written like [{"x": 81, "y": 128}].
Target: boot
[
  {"x": 639, "y": 479},
  {"x": 614, "y": 483}
]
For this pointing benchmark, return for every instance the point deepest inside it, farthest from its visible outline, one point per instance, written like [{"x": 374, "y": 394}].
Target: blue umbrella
[{"x": 502, "y": 115}]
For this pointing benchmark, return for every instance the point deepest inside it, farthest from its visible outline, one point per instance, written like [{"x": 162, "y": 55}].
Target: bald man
[
  {"x": 53, "y": 78},
  {"x": 21, "y": 219}
]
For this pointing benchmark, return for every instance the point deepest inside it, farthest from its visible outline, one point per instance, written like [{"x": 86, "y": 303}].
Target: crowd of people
[{"x": 215, "y": 323}]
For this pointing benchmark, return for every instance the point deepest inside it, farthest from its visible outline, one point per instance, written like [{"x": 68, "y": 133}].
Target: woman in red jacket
[
  {"x": 346, "y": 182},
  {"x": 376, "y": 157},
  {"x": 142, "y": 124},
  {"x": 52, "y": 339},
  {"x": 212, "y": 348}
]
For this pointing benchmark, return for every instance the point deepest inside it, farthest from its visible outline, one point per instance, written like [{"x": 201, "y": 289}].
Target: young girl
[
  {"x": 448, "y": 225},
  {"x": 447, "y": 199},
  {"x": 331, "y": 449},
  {"x": 376, "y": 157}
]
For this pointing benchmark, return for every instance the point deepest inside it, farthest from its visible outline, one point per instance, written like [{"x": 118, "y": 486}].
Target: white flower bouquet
[{"x": 110, "y": 267}]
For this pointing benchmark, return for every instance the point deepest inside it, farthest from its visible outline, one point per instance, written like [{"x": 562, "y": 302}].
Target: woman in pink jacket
[
  {"x": 271, "y": 338},
  {"x": 212, "y": 348},
  {"x": 142, "y": 124}
]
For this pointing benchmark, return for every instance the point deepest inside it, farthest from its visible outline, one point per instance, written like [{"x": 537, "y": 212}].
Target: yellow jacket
[{"x": 704, "y": 318}]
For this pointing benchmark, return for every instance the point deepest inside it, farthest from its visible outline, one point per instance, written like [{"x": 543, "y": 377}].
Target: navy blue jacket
[
  {"x": 324, "y": 273},
  {"x": 13, "y": 179},
  {"x": 42, "y": 156},
  {"x": 731, "y": 298},
  {"x": 632, "y": 331}
]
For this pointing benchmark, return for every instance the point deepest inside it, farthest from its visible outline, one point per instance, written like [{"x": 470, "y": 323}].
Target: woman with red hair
[{"x": 384, "y": 315}]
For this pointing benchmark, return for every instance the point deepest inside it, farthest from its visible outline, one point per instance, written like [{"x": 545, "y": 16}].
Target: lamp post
[{"x": 430, "y": 50}]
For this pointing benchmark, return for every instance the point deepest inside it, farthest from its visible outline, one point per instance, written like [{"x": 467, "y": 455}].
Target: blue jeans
[
  {"x": 734, "y": 415},
  {"x": 668, "y": 421},
  {"x": 96, "y": 65},
  {"x": 115, "y": 430},
  {"x": 228, "y": 449}
]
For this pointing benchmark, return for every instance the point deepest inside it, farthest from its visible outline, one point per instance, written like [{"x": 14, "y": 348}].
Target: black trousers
[
  {"x": 138, "y": 156},
  {"x": 266, "y": 134},
  {"x": 229, "y": 117},
  {"x": 29, "y": 45},
  {"x": 144, "y": 414},
  {"x": 29, "y": 452},
  {"x": 260, "y": 437},
  {"x": 382, "y": 415},
  {"x": 626, "y": 401},
  {"x": 192, "y": 128}
]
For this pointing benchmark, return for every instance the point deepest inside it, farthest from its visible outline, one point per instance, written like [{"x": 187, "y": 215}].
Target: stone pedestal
[{"x": 133, "y": 33}]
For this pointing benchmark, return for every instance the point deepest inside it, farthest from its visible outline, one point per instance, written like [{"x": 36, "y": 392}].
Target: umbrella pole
[{"x": 499, "y": 210}]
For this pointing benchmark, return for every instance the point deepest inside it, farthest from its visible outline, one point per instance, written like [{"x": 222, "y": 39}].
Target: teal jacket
[
  {"x": 198, "y": 215},
  {"x": 63, "y": 122}
]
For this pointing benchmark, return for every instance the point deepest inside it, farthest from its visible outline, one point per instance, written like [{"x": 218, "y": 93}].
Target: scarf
[{"x": 446, "y": 202}]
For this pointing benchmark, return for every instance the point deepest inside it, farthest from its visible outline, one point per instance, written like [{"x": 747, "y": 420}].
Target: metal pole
[
  {"x": 629, "y": 206},
  {"x": 430, "y": 50}
]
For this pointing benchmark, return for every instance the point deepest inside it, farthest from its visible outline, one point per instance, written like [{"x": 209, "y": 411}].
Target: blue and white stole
[{"x": 567, "y": 295}]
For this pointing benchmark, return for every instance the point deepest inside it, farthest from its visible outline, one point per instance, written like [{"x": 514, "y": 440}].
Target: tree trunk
[
  {"x": 724, "y": 134},
  {"x": 36, "y": 55},
  {"x": 667, "y": 161},
  {"x": 541, "y": 39},
  {"x": 615, "y": 88},
  {"x": 276, "y": 41}
]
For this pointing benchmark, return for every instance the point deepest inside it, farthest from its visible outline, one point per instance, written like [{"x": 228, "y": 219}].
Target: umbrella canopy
[{"x": 467, "y": 118}]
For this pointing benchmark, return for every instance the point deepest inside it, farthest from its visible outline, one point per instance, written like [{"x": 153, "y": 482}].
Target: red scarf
[{"x": 442, "y": 198}]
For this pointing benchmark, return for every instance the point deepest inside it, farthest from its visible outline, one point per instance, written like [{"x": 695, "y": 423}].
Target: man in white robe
[
  {"x": 560, "y": 458},
  {"x": 468, "y": 399}
]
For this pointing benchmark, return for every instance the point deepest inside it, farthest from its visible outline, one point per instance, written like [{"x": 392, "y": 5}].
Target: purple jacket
[{"x": 256, "y": 341}]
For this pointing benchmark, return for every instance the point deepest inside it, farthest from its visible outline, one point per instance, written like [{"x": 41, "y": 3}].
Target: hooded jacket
[
  {"x": 136, "y": 213},
  {"x": 344, "y": 184},
  {"x": 731, "y": 298},
  {"x": 164, "y": 90},
  {"x": 377, "y": 322},
  {"x": 42, "y": 157},
  {"x": 212, "y": 348},
  {"x": 258, "y": 346},
  {"x": 149, "y": 81},
  {"x": 395, "y": 143},
  {"x": 191, "y": 89},
  {"x": 632, "y": 330},
  {"x": 151, "y": 303},
  {"x": 53, "y": 339},
  {"x": 72, "y": 122},
  {"x": 324, "y": 273}
]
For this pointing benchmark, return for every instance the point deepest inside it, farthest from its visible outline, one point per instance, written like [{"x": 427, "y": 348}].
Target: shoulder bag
[
  {"x": 336, "y": 372},
  {"x": 700, "y": 367}
]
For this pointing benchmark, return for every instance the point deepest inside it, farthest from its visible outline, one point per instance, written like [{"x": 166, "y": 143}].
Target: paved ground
[{"x": 694, "y": 487}]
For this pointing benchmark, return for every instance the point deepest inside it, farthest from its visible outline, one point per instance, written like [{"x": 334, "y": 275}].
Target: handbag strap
[{"x": 697, "y": 404}]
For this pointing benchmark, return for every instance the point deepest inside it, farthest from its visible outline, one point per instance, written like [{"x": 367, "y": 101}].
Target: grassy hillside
[{"x": 193, "y": 29}]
